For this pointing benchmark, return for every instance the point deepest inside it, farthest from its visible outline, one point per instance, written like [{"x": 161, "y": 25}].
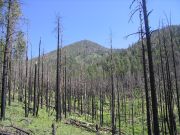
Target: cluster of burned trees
[
  {"x": 162, "y": 104},
  {"x": 16, "y": 69},
  {"x": 124, "y": 90},
  {"x": 11, "y": 50}
]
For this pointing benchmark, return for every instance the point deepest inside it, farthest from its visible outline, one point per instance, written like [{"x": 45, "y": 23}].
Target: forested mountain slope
[{"x": 89, "y": 53}]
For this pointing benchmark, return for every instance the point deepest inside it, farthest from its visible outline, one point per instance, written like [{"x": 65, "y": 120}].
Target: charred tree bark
[
  {"x": 112, "y": 93},
  {"x": 118, "y": 106},
  {"x": 10, "y": 75},
  {"x": 151, "y": 72},
  {"x": 47, "y": 90},
  {"x": 38, "y": 74},
  {"x": 65, "y": 88},
  {"x": 42, "y": 79},
  {"x": 35, "y": 102},
  {"x": 175, "y": 73},
  {"x": 5, "y": 64},
  {"x": 69, "y": 96},
  {"x": 164, "y": 90},
  {"x": 148, "y": 116},
  {"x": 58, "y": 81},
  {"x": 26, "y": 85},
  {"x": 170, "y": 105},
  {"x": 30, "y": 83}
]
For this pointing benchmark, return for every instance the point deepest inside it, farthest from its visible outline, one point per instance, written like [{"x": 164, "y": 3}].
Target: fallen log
[
  {"x": 80, "y": 124},
  {"x": 89, "y": 126},
  {"x": 19, "y": 129}
]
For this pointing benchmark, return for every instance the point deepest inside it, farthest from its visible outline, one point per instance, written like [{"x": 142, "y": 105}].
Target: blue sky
[{"x": 91, "y": 20}]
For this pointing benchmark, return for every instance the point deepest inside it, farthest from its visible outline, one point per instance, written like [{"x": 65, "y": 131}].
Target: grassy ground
[{"x": 40, "y": 125}]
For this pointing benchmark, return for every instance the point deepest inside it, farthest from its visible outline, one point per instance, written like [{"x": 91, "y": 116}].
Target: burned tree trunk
[
  {"x": 26, "y": 84},
  {"x": 30, "y": 83},
  {"x": 112, "y": 93},
  {"x": 35, "y": 102},
  {"x": 47, "y": 89},
  {"x": 148, "y": 116},
  {"x": 42, "y": 79},
  {"x": 65, "y": 88},
  {"x": 38, "y": 81},
  {"x": 58, "y": 81},
  {"x": 169, "y": 92},
  {"x": 5, "y": 64},
  {"x": 9, "y": 76},
  {"x": 151, "y": 71},
  {"x": 175, "y": 72}
]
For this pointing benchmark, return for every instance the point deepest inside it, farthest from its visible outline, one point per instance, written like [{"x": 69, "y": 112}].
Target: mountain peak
[
  {"x": 86, "y": 43},
  {"x": 84, "y": 46},
  {"x": 80, "y": 48}
]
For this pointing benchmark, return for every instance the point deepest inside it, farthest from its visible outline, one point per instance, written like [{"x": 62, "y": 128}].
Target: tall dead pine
[
  {"x": 5, "y": 63},
  {"x": 148, "y": 116},
  {"x": 57, "y": 96},
  {"x": 112, "y": 92},
  {"x": 35, "y": 99},
  {"x": 151, "y": 71}
]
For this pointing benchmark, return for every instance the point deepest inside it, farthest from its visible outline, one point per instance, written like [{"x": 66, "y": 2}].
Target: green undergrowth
[{"x": 40, "y": 125}]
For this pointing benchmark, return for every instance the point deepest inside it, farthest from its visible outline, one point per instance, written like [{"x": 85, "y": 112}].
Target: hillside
[
  {"x": 86, "y": 55},
  {"x": 81, "y": 51},
  {"x": 89, "y": 52}
]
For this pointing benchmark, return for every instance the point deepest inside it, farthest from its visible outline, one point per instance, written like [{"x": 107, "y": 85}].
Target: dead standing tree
[
  {"x": 35, "y": 99},
  {"x": 58, "y": 74},
  {"x": 5, "y": 63},
  {"x": 145, "y": 77},
  {"x": 38, "y": 74},
  {"x": 42, "y": 80},
  {"x": 151, "y": 70},
  {"x": 112, "y": 91},
  {"x": 142, "y": 6},
  {"x": 174, "y": 68},
  {"x": 26, "y": 83}
]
